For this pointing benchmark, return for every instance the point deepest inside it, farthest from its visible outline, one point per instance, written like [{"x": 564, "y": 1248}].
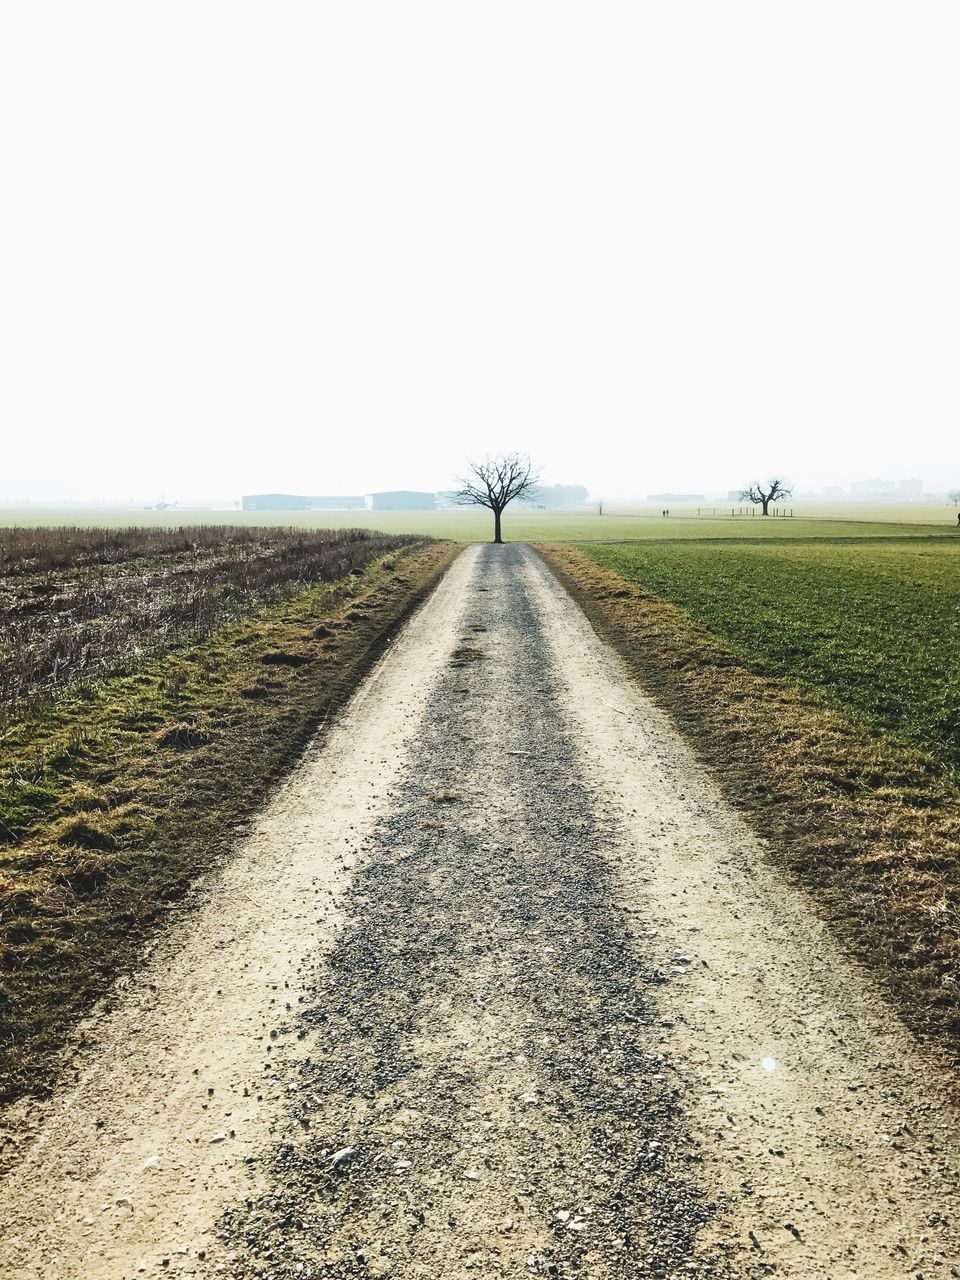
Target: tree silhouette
[
  {"x": 495, "y": 482},
  {"x": 763, "y": 497}
]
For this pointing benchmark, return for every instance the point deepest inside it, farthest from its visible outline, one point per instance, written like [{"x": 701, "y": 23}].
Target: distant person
[{"x": 958, "y": 517}]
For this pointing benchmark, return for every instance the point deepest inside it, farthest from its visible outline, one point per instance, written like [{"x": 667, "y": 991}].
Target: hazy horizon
[
  {"x": 343, "y": 249},
  {"x": 214, "y": 500}
]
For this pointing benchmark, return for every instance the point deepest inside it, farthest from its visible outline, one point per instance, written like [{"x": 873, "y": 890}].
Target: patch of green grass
[{"x": 873, "y": 627}]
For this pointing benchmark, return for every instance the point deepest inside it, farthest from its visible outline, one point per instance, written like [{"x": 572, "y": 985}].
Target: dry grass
[
  {"x": 79, "y": 604},
  {"x": 869, "y": 827},
  {"x": 114, "y": 799}
]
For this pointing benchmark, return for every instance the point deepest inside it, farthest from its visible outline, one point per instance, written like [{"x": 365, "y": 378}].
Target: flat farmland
[
  {"x": 81, "y": 603},
  {"x": 620, "y": 522},
  {"x": 872, "y": 625},
  {"x": 154, "y": 685},
  {"x": 486, "y": 935}
]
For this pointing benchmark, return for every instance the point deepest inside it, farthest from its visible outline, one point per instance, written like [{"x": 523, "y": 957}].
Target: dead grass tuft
[
  {"x": 254, "y": 692},
  {"x": 183, "y": 736},
  {"x": 85, "y": 797},
  {"x": 89, "y": 873},
  {"x": 93, "y": 829},
  {"x": 444, "y": 797},
  {"x": 16, "y": 901},
  {"x": 20, "y": 930},
  {"x": 284, "y": 658}
]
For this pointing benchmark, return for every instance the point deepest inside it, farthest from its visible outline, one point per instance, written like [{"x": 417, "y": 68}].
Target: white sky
[{"x": 321, "y": 247}]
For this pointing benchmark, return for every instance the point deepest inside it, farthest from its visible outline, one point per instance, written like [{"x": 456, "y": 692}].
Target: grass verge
[
  {"x": 113, "y": 801},
  {"x": 871, "y": 626},
  {"x": 869, "y": 826}
]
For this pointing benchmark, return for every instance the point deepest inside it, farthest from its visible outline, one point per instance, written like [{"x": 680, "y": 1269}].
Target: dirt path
[{"x": 498, "y": 986}]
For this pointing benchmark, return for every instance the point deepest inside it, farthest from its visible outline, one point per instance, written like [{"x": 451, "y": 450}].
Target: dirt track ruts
[{"x": 497, "y": 986}]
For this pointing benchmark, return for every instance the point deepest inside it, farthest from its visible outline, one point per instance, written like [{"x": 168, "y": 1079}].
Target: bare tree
[
  {"x": 762, "y": 497},
  {"x": 495, "y": 482}
]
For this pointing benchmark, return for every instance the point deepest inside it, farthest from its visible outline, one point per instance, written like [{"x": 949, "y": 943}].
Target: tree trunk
[
  {"x": 766, "y": 504},
  {"x": 496, "y": 526}
]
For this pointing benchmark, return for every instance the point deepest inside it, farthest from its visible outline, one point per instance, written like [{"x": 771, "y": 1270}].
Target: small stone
[{"x": 472, "y": 1174}]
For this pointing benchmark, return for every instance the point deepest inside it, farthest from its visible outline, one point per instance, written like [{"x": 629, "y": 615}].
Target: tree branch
[{"x": 495, "y": 482}]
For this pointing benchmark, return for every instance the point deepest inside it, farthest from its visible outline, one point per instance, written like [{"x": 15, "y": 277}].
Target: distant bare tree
[
  {"x": 954, "y": 496},
  {"x": 762, "y": 497},
  {"x": 495, "y": 482}
]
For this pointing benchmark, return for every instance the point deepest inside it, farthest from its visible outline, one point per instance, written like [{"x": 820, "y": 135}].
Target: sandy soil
[{"x": 498, "y": 985}]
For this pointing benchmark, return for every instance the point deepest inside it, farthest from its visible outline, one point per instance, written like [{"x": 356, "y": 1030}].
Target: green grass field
[
  {"x": 619, "y": 523},
  {"x": 873, "y": 626}
]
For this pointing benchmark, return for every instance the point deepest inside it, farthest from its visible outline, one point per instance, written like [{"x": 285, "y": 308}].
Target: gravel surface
[
  {"x": 485, "y": 1039},
  {"x": 498, "y": 985}
]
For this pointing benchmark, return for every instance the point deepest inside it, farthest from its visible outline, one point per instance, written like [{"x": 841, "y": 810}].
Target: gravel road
[{"x": 498, "y": 985}]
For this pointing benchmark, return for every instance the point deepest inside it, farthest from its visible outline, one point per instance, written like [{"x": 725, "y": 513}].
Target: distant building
[
  {"x": 873, "y": 490},
  {"x": 865, "y": 489},
  {"x": 296, "y": 502},
  {"x": 274, "y": 502},
  {"x": 402, "y": 500}
]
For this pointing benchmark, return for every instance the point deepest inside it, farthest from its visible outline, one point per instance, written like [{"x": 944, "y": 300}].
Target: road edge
[
  {"x": 814, "y": 786},
  {"x": 206, "y": 798}
]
